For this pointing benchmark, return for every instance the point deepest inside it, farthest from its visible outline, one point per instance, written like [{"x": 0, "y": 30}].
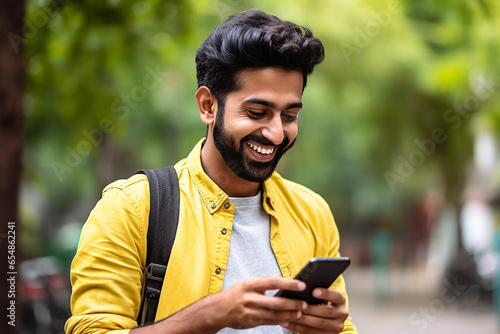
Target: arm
[
  {"x": 244, "y": 305},
  {"x": 107, "y": 275},
  {"x": 108, "y": 268}
]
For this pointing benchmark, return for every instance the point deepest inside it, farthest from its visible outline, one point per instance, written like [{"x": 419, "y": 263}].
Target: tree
[
  {"x": 11, "y": 146},
  {"x": 393, "y": 72}
]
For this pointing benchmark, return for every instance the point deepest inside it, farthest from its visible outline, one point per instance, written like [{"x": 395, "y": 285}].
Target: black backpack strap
[{"x": 163, "y": 221}]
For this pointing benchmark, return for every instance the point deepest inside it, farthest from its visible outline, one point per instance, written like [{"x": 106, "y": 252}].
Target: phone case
[{"x": 319, "y": 272}]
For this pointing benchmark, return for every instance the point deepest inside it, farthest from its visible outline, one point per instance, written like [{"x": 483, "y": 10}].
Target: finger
[
  {"x": 274, "y": 282},
  {"x": 313, "y": 324},
  {"x": 329, "y": 295},
  {"x": 276, "y": 303},
  {"x": 328, "y": 311},
  {"x": 270, "y": 317},
  {"x": 277, "y": 317}
]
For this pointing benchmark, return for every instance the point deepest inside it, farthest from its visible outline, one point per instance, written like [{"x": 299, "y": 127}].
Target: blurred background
[{"x": 399, "y": 132}]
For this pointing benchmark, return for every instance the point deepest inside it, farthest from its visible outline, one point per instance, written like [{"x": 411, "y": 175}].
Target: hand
[
  {"x": 245, "y": 305},
  {"x": 328, "y": 317}
]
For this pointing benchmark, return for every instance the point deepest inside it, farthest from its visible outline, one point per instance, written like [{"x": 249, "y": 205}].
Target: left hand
[{"x": 328, "y": 317}]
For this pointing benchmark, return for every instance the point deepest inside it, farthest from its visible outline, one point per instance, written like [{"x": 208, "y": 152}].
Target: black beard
[{"x": 241, "y": 165}]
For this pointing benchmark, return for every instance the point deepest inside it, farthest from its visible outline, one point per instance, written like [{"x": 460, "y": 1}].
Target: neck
[{"x": 216, "y": 168}]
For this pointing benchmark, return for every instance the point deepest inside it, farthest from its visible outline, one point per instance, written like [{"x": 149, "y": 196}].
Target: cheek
[
  {"x": 243, "y": 127},
  {"x": 291, "y": 131}
]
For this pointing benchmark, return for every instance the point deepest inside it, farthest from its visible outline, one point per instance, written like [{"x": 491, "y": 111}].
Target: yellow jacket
[{"x": 107, "y": 272}]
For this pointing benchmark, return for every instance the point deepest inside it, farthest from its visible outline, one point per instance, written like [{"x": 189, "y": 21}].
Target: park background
[{"x": 399, "y": 133}]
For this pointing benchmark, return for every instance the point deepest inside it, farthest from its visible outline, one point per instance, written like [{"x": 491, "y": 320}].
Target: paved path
[{"x": 416, "y": 303}]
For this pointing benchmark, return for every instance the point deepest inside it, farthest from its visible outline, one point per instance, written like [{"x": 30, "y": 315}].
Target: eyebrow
[{"x": 272, "y": 105}]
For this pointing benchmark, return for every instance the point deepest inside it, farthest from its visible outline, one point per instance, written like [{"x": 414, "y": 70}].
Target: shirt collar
[{"x": 212, "y": 195}]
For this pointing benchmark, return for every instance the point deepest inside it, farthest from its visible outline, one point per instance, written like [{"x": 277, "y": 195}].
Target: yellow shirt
[{"x": 107, "y": 272}]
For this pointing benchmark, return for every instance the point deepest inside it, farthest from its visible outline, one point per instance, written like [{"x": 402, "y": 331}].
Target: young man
[{"x": 244, "y": 231}]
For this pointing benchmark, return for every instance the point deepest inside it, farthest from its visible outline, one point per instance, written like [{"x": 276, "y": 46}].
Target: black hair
[{"x": 253, "y": 39}]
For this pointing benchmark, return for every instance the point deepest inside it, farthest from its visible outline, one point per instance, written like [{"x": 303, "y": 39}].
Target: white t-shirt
[{"x": 250, "y": 252}]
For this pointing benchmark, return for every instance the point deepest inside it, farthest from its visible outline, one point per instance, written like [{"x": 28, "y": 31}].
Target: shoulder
[
  {"x": 129, "y": 196},
  {"x": 136, "y": 183}
]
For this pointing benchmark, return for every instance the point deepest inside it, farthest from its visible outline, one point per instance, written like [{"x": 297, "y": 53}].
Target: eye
[
  {"x": 254, "y": 113},
  {"x": 289, "y": 117}
]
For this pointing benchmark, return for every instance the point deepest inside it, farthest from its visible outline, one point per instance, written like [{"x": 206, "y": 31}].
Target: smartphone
[{"x": 319, "y": 272}]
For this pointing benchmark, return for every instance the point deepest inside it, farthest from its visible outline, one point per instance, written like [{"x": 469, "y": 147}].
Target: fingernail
[
  {"x": 304, "y": 305},
  {"x": 317, "y": 293},
  {"x": 299, "y": 314},
  {"x": 301, "y": 285}
]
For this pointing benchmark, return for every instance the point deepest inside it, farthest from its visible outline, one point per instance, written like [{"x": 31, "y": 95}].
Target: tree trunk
[{"x": 12, "y": 79}]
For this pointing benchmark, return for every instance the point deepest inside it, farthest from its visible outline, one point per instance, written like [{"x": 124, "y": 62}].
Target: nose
[{"x": 273, "y": 130}]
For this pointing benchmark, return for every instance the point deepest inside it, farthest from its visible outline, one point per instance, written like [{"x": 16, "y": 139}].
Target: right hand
[{"x": 245, "y": 304}]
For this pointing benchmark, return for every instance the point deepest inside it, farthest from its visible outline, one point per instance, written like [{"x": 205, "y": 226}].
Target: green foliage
[{"x": 111, "y": 89}]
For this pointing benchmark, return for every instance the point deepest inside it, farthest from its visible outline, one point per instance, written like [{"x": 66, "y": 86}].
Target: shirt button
[
  {"x": 214, "y": 205},
  {"x": 223, "y": 231},
  {"x": 217, "y": 271},
  {"x": 227, "y": 205}
]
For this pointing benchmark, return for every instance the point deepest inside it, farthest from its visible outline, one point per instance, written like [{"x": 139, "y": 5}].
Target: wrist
[
  {"x": 213, "y": 313},
  {"x": 204, "y": 316}
]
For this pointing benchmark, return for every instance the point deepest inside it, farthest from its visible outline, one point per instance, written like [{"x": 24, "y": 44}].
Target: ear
[{"x": 207, "y": 105}]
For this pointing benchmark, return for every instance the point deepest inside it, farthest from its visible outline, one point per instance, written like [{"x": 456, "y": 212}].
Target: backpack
[{"x": 162, "y": 227}]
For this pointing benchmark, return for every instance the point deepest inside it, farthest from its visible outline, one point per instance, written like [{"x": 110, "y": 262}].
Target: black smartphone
[{"x": 319, "y": 272}]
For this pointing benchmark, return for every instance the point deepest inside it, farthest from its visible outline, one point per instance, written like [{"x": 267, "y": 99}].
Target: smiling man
[
  {"x": 252, "y": 129},
  {"x": 244, "y": 231}
]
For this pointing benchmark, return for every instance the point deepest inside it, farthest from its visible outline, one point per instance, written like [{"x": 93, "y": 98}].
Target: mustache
[{"x": 264, "y": 141}]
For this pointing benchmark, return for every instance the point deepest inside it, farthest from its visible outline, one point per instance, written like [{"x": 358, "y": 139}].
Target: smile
[{"x": 260, "y": 149}]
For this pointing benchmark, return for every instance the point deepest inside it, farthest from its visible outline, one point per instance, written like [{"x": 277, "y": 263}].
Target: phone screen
[{"x": 319, "y": 272}]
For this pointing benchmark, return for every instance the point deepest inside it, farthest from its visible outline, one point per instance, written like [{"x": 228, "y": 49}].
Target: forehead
[{"x": 269, "y": 83}]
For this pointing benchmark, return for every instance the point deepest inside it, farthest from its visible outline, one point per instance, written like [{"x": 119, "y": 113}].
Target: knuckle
[
  {"x": 343, "y": 313},
  {"x": 335, "y": 295},
  {"x": 245, "y": 284},
  {"x": 247, "y": 316},
  {"x": 339, "y": 327},
  {"x": 342, "y": 299},
  {"x": 246, "y": 300}
]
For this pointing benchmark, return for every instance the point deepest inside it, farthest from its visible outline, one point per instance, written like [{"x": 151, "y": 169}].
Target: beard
[{"x": 235, "y": 158}]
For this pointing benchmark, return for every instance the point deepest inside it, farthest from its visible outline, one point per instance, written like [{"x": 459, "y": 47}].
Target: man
[{"x": 244, "y": 231}]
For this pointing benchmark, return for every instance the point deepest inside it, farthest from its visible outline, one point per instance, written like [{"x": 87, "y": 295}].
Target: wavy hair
[{"x": 253, "y": 39}]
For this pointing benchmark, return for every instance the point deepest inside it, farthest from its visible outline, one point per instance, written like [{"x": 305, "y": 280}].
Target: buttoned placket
[
  {"x": 224, "y": 218},
  {"x": 283, "y": 259}
]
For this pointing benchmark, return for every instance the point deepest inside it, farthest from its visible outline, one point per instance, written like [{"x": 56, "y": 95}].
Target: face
[{"x": 258, "y": 122}]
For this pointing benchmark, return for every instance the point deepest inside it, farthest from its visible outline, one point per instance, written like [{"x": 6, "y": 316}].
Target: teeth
[{"x": 260, "y": 149}]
